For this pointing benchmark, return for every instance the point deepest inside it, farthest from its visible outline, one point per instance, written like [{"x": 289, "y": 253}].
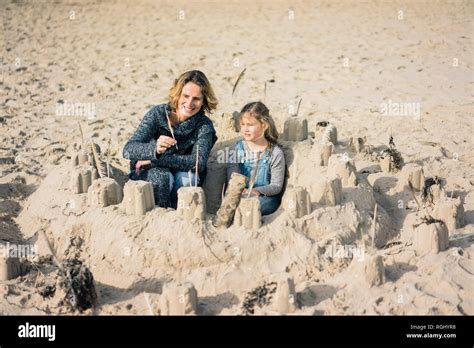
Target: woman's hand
[
  {"x": 140, "y": 164},
  {"x": 254, "y": 192},
  {"x": 163, "y": 143}
]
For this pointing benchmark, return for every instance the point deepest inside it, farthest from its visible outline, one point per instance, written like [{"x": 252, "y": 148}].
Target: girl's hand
[
  {"x": 254, "y": 192},
  {"x": 140, "y": 164},
  {"x": 163, "y": 143}
]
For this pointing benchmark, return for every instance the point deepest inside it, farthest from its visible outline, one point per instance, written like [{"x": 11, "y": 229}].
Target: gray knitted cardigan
[{"x": 197, "y": 130}]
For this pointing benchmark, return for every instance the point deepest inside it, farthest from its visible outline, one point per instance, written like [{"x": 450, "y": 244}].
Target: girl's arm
[
  {"x": 183, "y": 163},
  {"x": 142, "y": 145},
  {"x": 277, "y": 170}
]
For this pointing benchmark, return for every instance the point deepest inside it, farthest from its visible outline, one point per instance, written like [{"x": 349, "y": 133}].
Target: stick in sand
[
  {"x": 189, "y": 178},
  {"x": 222, "y": 193},
  {"x": 147, "y": 300},
  {"x": 254, "y": 175},
  {"x": 108, "y": 159},
  {"x": 298, "y": 108},
  {"x": 237, "y": 81},
  {"x": 50, "y": 249},
  {"x": 197, "y": 165},
  {"x": 373, "y": 230},
  {"x": 82, "y": 135},
  {"x": 412, "y": 190},
  {"x": 171, "y": 128}
]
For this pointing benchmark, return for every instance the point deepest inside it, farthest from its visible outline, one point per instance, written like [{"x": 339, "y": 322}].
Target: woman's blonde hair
[
  {"x": 197, "y": 77},
  {"x": 262, "y": 114}
]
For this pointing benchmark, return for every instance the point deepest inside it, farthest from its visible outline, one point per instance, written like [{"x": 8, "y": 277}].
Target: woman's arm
[
  {"x": 277, "y": 170},
  {"x": 171, "y": 160},
  {"x": 142, "y": 145}
]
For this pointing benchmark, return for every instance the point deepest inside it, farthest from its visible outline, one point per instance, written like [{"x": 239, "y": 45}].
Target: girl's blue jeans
[{"x": 269, "y": 204}]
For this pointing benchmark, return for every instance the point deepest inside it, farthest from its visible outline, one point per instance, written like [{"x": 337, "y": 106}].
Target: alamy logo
[
  {"x": 334, "y": 251},
  {"x": 76, "y": 109},
  {"x": 392, "y": 108},
  {"x": 233, "y": 156},
  {"x": 34, "y": 331},
  {"x": 17, "y": 250}
]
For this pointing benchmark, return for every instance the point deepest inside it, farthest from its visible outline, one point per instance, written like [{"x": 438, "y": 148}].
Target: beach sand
[{"x": 372, "y": 69}]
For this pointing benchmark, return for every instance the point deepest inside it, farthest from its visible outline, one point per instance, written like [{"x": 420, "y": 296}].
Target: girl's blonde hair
[
  {"x": 197, "y": 77},
  {"x": 262, "y": 114}
]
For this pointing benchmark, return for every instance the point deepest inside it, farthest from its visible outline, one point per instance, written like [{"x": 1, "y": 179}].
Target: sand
[{"x": 364, "y": 68}]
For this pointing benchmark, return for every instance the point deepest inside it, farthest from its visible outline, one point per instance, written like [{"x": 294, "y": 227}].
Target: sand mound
[
  {"x": 312, "y": 241},
  {"x": 323, "y": 252}
]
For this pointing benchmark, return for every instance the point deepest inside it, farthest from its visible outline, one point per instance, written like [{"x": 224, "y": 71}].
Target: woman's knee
[
  {"x": 158, "y": 176},
  {"x": 184, "y": 179}
]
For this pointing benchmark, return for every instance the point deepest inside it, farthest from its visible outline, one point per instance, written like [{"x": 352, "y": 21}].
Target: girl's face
[
  {"x": 250, "y": 128},
  {"x": 190, "y": 100}
]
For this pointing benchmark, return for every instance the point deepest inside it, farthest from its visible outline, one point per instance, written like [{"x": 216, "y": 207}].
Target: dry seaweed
[
  {"x": 426, "y": 193},
  {"x": 78, "y": 283},
  {"x": 259, "y": 296},
  {"x": 428, "y": 220},
  {"x": 395, "y": 156},
  {"x": 48, "y": 291}
]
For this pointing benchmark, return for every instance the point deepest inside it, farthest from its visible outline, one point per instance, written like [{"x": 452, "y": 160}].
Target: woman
[{"x": 167, "y": 158}]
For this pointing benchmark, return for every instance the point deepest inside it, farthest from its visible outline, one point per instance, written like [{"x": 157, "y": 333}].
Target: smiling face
[
  {"x": 190, "y": 101},
  {"x": 250, "y": 128}
]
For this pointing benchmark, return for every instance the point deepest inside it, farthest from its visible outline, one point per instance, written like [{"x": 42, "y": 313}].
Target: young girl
[{"x": 259, "y": 149}]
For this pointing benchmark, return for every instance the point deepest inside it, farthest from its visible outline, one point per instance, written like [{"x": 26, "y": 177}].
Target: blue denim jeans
[
  {"x": 176, "y": 180},
  {"x": 269, "y": 204}
]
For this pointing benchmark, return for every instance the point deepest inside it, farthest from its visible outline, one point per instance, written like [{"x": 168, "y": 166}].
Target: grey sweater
[
  {"x": 276, "y": 173},
  {"x": 197, "y": 130}
]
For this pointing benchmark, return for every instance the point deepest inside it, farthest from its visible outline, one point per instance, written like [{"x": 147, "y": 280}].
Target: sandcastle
[
  {"x": 297, "y": 202},
  {"x": 432, "y": 191},
  {"x": 90, "y": 154},
  {"x": 374, "y": 270},
  {"x": 430, "y": 238},
  {"x": 104, "y": 192},
  {"x": 326, "y": 132},
  {"x": 177, "y": 299},
  {"x": 411, "y": 221},
  {"x": 82, "y": 178},
  {"x": 326, "y": 136},
  {"x": 357, "y": 144},
  {"x": 451, "y": 212},
  {"x": 229, "y": 204},
  {"x": 413, "y": 173},
  {"x": 191, "y": 203},
  {"x": 295, "y": 129},
  {"x": 386, "y": 164},
  {"x": 340, "y": 165},
  {"x": 10, "y": 267},
  {"x": 321, "y": 153},
  {"x": 138, "y": 197},
  {"x": 284, "y": 299},
  {"x": 327, "y": 192},
  {"x": 248, "y": 213},
  {"x": 390, "y": 160},
  {"x": 81, "y": 158},
  {"x": 342, "y": 201}
]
